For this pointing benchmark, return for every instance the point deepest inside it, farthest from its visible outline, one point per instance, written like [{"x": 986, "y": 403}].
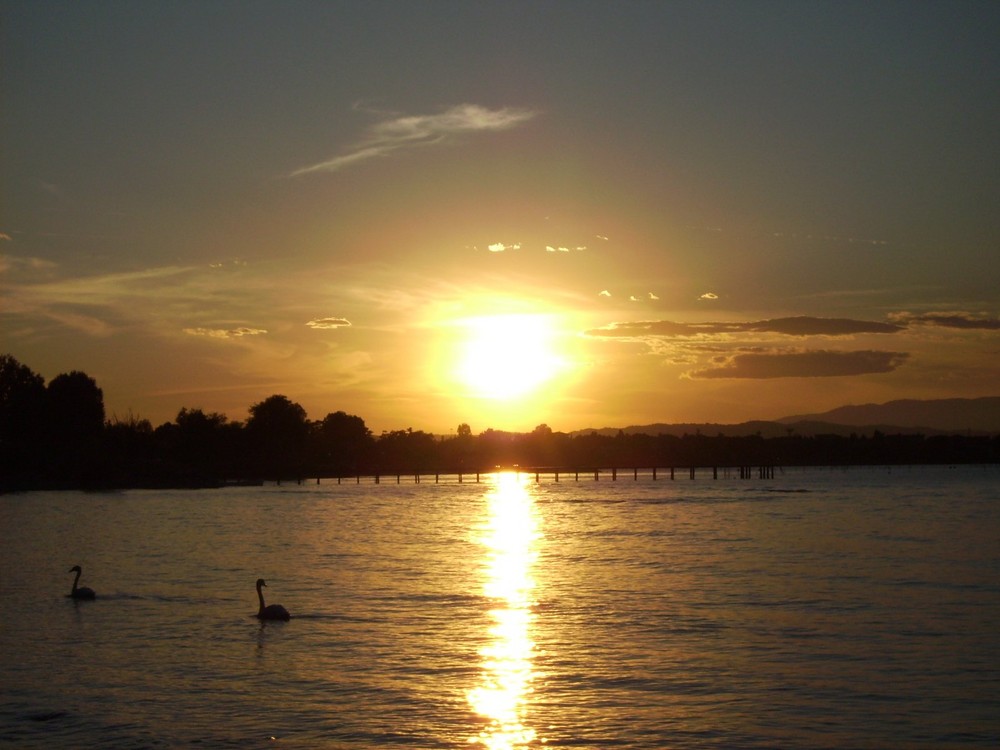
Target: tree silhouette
[
  {"x": 76, "y": 423},
  {"x": 23, "y": 428},
  {"x": 202, "y": 448},
  {"x": 132, "y": 459},
  {"x": 277, "y": 433},
  {"x": 342, "y": 443}
]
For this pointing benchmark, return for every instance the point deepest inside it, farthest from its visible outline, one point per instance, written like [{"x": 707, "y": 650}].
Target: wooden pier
[{"x": 556, "y": 474}]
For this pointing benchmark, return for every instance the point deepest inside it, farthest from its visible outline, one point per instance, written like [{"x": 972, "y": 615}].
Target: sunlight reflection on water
[{"x": 510, "y": 538}]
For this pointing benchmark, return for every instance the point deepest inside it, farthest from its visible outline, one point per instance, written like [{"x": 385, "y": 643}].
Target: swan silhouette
[
  {"x": 272, "y": 611},
  {"x": 82, "y": 592}
]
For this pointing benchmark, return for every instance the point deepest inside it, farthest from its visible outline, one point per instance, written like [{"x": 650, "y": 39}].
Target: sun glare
[
  {"x": 510, "y": 539},
  {"x": 507, "y": 356}
]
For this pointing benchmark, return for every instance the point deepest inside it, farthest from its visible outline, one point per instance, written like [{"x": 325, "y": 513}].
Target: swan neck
[
  {"x": 260, "y": 598},
  {"x": 76, "y": 580}
]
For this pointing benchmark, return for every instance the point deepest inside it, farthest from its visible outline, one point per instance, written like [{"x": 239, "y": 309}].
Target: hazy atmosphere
[{"x": 576, "y": 213}]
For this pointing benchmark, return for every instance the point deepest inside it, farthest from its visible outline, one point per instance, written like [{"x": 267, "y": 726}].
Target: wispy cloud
[
  {"x": 13, "y": 264},
  {"x": 409, "y": 131},
  {"x": 499, "y": 247},
  {"x": 225, "y": 333},
  {"x": 802, "y": 364},
  {"x": 326, "y": 323}
]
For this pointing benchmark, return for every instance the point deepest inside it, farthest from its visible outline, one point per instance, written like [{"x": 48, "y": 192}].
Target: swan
[
  {"x": 272, "y": 611},
  {"x": 83, "y": 592}
]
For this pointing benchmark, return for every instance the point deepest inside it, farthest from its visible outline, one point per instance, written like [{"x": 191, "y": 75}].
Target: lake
[{"x": 822, "y": 608}]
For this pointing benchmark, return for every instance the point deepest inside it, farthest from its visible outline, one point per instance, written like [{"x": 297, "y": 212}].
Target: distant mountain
[
  {"x": 952, "y": 414},
  {"x": 765, "y": 429},
  {"x": 944, "y": 416}
]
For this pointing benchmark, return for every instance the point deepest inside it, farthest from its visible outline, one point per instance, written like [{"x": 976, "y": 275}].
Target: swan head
[
  {"x": 260, "y": 582},
  {"x": 76, "y": 569}
]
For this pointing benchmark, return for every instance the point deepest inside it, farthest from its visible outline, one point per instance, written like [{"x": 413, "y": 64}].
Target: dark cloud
[
  {"x": 807, "y": 326},
  {"x": 797, "y": 326},
  {"x": 802, "y": 364},
  {"x": 963, "y": 320}
]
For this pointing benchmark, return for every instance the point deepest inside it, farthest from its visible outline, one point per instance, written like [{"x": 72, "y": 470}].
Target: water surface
[{"x": 821, "y": 608}]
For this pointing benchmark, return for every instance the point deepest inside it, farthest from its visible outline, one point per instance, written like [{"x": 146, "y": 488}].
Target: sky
[{"x": 505, "y": 214}]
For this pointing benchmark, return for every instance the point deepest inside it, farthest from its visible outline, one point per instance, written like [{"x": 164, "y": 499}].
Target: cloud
[
  {"x": 962, "y": 320},
  {"x": 797, "y": 326},
  {"x": 324, "y": 323},
  {"x": 81, "y": 321},
  {"x": 225, "y": 333},
  {"x": 94, "y": 305},
  {"x": 604, "y": 293},
  {"x": 802, "y": 364},
  {"x": 560, "y": 249},
  {"x": 390, "y": 135},
  {"x": 808, "y": 326},
  {"x": 653, "y": 296},
  {"x": 12, "y": 264},
  {"x": 499, "y": 247},
  {"x": 709, "y": 296},
  {"x": 6, "y": 237}
]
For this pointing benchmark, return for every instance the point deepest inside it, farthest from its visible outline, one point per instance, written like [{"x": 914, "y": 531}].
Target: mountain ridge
[{"x": 902, "y": 416}]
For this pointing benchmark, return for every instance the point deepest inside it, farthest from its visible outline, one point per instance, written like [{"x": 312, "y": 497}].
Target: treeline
[{"x": 56, "y": 436}]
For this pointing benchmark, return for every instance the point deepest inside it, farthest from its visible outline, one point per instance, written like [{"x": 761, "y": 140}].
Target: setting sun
[{"x": 506, "y": 356}]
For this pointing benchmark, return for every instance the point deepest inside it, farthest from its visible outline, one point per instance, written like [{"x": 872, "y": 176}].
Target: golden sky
[{"x": 578, "y": 213}]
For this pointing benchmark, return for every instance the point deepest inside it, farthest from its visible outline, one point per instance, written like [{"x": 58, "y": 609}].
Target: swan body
[
  {"x": 272, "y": 611},
  {"x": 80, "y": 592}
]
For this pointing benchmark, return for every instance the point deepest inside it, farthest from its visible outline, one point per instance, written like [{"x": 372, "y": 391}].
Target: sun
[{"x": 507, "y": 356}]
